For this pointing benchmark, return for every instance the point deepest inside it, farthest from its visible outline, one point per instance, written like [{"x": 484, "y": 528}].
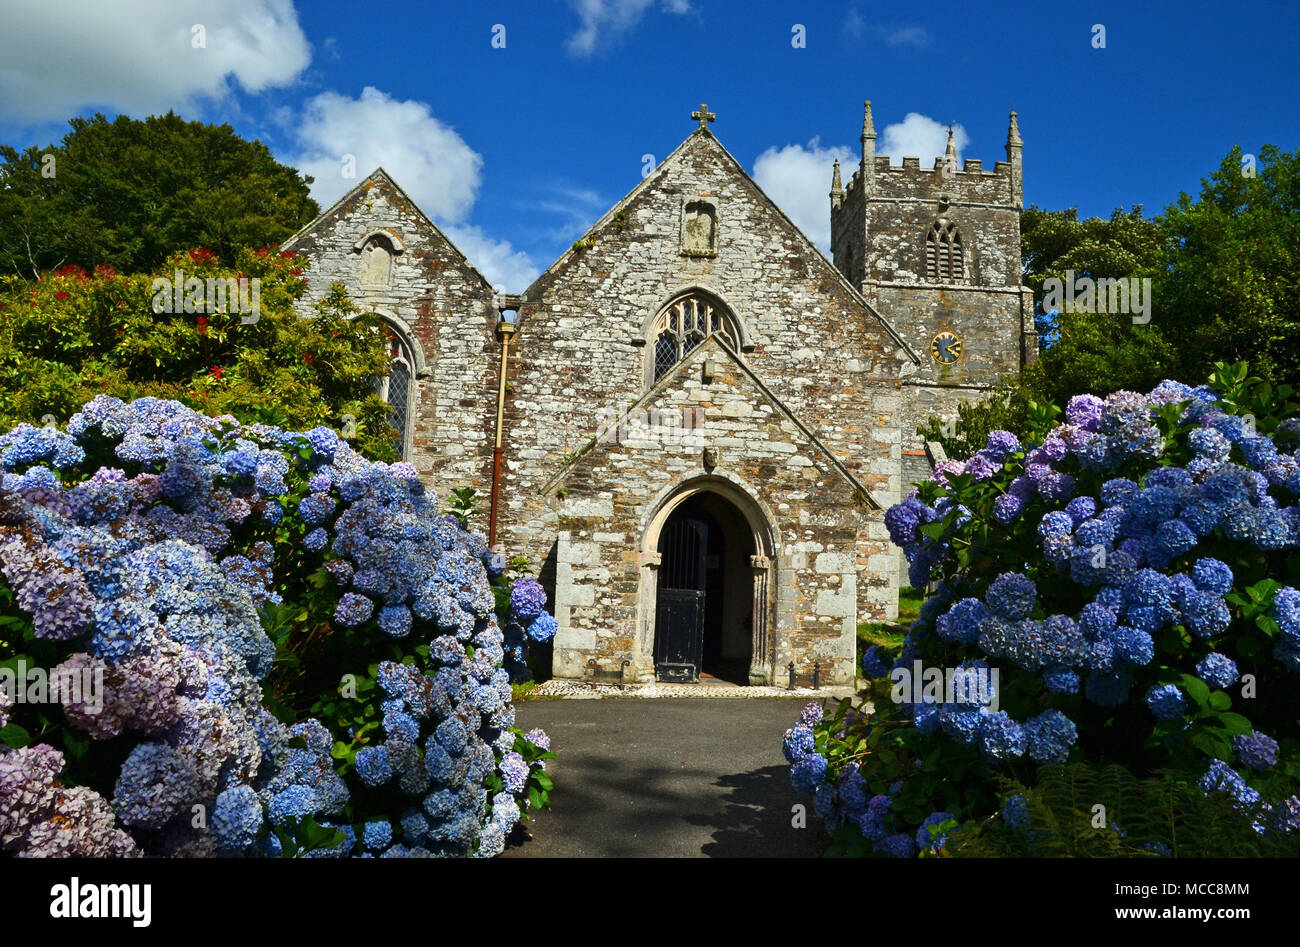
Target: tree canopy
[
  {"x": 73, "y": 335},
  {"x": 127, "y": 193},
  {"x": 1223, "y": 268}
]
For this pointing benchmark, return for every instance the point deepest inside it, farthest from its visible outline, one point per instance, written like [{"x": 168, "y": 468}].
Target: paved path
[{"x": 668, "y": 777}]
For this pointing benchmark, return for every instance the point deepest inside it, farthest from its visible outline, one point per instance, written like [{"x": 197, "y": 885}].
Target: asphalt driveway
[{"x": 668, "y": 777}]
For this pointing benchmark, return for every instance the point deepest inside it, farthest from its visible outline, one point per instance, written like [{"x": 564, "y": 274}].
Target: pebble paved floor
[{"x": 668, "y": 777}]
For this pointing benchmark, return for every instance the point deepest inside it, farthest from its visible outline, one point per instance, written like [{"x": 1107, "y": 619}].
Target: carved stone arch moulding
[
  {"x": 376, "y": 252},
  {"x": 412, "y": 344},
  {"x": 393, "y": 240},
  {"x": 763, "y": 563}
]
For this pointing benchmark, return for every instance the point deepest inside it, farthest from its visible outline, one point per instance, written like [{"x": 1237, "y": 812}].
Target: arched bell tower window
[
  {"x": 943, "y": 253},
  {"x": 682, "y": 326},
  {"x": 398, "y": 389}
]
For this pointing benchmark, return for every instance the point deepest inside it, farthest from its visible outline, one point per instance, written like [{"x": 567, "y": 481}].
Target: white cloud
[
  {"x": 430, "y": 161},
  {"x": 426, "y": 157},
  {"x": 575, "y": 209},
  {"x": 138, "y": 57},
  {"x": 908, "y": 37},
  {"x": 798, "y": 180},
  {"x": 604, "y": 22},
  {"x": 854, "y": 24},
  {"x": 505, "y": 267},
  {"x": 918, "y": 136}
]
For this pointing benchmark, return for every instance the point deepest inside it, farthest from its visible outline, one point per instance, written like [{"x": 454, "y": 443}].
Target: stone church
[{"x": 692, "y": 423}]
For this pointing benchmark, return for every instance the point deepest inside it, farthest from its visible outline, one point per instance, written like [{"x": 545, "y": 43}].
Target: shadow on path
[
  {"x": 757, "y": 820},
  {"x": 668, "y": 778}
]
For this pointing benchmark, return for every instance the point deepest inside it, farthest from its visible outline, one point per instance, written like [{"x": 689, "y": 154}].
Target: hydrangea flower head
[
  {"x": 1217, "y": 670},
  {"x": 1166, "y": 701},
  {"x": 1011, "y": 595}
]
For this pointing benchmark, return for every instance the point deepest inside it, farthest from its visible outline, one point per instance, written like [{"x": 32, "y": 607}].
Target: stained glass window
[
  {"x": 396, "y": 388},
  {"x": 683, "y": 326}
]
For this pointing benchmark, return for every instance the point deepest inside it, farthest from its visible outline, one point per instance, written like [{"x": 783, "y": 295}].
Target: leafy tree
[
  {"x": 126, "y": 193},
  {"x": 1224, "y": 285},
  {"x": 1233, "y": 260},
  {"x": 1089, "y": 351},
  {"x": 73, "y": 335}
]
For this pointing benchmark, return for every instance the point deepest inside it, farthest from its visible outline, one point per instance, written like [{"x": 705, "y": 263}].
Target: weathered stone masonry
[
  {"x": 436, "y": 303},
  {"x": 797, "y": 416}
]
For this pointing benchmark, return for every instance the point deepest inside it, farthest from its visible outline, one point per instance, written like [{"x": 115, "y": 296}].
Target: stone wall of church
[
  {"x": 438, "y": 303},
  {"x": 582, "y": 350},
  {"x": 879, "y": 231},
  {"x": 601, "y": 505},
  {"x": 988, "y": 322}
]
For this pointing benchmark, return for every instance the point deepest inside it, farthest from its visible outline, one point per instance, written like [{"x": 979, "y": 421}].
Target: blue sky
[{"x": 517, "y": 150}]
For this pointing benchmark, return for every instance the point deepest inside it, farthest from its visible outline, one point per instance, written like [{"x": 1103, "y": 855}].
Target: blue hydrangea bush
[
  {"x": 1123, "y": 588},
  {"x": 299, "y": 654},
  {"x": 521, "y": 605}
]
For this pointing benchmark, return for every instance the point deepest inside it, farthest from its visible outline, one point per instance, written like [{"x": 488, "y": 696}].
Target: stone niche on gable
[
  {"x": 376, "y": 252},
  {"x": 699, "y": 227}
]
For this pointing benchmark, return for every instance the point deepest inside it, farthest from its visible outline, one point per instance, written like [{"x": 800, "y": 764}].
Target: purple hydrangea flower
[
  {"x": 542, "y": 629},
  {"x": 527, "y": 599},
  {"x": 1049, "y": 736},
  {"x": 1084, "y": 411},
  {"x": 1011, "y": 595},
  {"x": 876, "y": 663},
  {"x": 1001, "y": 738},
  {"x": 1166, "y": 702},
  {"x": 1256, "y": 750},
  {"x": 353, "y": 609},
  {"x": 1217, "y": 670}
]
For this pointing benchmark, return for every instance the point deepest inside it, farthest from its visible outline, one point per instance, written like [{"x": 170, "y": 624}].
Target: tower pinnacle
[{"x": 1015, "y": 150}]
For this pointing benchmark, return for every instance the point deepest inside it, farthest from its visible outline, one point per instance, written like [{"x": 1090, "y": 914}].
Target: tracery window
[
  {"x": 397, "y": 388},
  {"x": 943, "y": 253},
  {"x": 683, "y": 326}
]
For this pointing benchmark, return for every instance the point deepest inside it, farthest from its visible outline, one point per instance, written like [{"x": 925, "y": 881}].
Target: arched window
[
  {"x": 397, "y": 388},
  {"x": 943, "y": 256},
  {"x": 684, "y": 325}
]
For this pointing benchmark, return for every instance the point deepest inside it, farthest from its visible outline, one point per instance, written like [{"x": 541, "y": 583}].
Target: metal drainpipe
[{"x": 505, "y": 329}]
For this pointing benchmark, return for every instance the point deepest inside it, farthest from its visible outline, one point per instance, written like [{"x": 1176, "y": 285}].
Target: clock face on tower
[{"x": 946, "y": 347}]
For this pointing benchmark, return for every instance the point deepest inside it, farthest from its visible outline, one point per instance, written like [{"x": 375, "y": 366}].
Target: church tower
[{"x": 936, "y": 251}]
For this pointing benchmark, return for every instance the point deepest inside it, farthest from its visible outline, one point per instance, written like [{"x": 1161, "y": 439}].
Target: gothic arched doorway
[{"x": 704, "y": 615}]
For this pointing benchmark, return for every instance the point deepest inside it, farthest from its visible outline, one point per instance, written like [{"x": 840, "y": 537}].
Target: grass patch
[
  {"x": 909, "y": 603},
  {"x": 528, "y": 691},
  {"x": 891, "y": 634},
  {"x": 874, "y": 632}
]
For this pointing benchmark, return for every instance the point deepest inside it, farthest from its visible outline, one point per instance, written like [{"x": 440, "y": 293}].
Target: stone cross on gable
[{"x": 703, "y": 116}]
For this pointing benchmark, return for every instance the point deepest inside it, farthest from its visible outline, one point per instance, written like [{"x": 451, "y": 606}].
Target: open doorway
[{"x": 705, "y": 599}]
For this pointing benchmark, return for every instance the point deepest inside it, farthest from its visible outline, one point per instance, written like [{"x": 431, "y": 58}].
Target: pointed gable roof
[
  {"x": 675, "y": 158},
  {"x": 354, "y": 196},
  {"x": 656, "y": 392}
]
